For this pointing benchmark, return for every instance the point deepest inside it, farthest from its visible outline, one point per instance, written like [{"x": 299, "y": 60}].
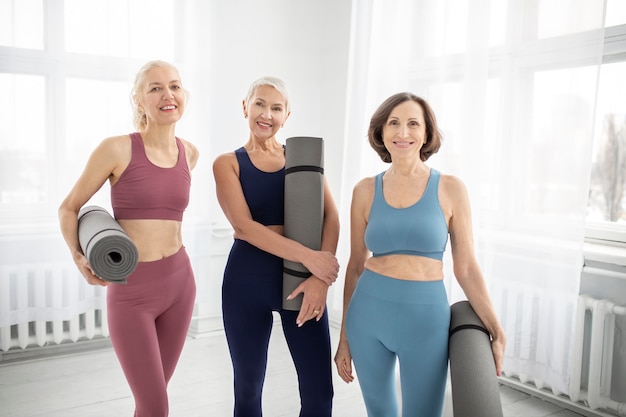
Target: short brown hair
[{"x": 380, "y": 116}]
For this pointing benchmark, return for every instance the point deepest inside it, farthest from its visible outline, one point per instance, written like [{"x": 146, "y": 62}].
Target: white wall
[{"x": 303, "y": 42}]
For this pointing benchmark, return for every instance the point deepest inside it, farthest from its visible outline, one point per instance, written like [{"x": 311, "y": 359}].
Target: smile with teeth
[
  {"x": 264, "y": 124},
  {"x": 403, "y": 144},
  {"x": 170, "y": 107}
]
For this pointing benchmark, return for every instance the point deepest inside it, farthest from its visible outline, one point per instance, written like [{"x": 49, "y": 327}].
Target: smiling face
[
  {"x": 161, "y": 96},
  {"x": 404, "y": 132},
  {"x": 266, "y": 111}
]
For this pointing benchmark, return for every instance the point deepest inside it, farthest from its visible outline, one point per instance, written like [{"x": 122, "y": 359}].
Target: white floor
[{"x": 91, "y": 384}]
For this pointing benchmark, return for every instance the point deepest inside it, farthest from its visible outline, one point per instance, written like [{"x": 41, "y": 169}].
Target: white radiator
[
  {"x": 590, "y": 367},
  {"x": 595, "y": 389},
  {"x": 48, "y": 304}
]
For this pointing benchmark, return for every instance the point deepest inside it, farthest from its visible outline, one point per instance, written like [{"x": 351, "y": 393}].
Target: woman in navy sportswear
[{"x": 250, "y": 189}]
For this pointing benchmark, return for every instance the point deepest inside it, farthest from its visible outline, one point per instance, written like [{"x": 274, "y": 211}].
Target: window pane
[
  {"x": 21, "y": 23},
  {"x": 608, "y": 177},
  {"x": 22, "y": 139},
  {"x": 97, "y": 27},
  {"x": 554, "y": 20},
  {"x": 448, "y": 101},
  {"x": 615, "y": 12},
  {"x": 154, "y": 38},
  {"x": 108, "y": 114},
  {"x": 123, "y": 28},
  {"x": 560, "y": 138}
]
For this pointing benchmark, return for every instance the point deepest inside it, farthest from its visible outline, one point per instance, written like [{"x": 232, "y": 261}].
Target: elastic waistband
[
  {"x": 399, "y": 290},
  {"x": 164, "y": 265}
]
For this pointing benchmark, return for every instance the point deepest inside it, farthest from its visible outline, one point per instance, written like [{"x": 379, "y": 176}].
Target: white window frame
[
  {"x": 605, "y": 241},
  {"x": 55, "y": 65}
]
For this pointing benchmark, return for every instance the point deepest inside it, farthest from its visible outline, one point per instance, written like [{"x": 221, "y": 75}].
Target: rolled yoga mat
[
  {"x": 475, "y": 389},
  {"x": 304, "y": 206},
  {"x": 110, "y": 252}
]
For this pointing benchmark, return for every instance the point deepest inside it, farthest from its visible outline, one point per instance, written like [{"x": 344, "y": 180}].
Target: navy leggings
[
  {"x": 391, "y": 319},
  {"x": 251, "y": 290}
]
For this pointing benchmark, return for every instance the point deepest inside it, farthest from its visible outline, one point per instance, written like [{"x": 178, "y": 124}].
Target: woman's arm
[
  {"x": 322, "y": 264},
  {"x": 466, "y": 268},
  {"x": 100, "y": 166},
  {"x": 361, "y": 201}
]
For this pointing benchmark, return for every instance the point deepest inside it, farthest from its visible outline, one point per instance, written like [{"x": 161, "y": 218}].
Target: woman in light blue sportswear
[{"x": 395, "y": 302}]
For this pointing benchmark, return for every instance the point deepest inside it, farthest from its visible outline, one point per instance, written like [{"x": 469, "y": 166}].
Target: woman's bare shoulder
[
  {"x": 365, "y": 185},
  {"x": 452, "y": 184},
  {"x": 227, "y": 158},
  {"x": 363, "y": 191},
  {"x": 114, "y": 148}
]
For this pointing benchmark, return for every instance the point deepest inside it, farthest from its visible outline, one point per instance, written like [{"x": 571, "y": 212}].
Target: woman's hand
[
  {"x": 343, "y": 360},
  {"x": 85, "y": 269},
  {"x": 497, "y": 348},
  {"x": 323, "y": 265},
  {"x": 314, "y": 300}
]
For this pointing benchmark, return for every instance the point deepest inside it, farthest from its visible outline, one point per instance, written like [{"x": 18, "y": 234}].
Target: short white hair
[{"x": 275, "y": 82}]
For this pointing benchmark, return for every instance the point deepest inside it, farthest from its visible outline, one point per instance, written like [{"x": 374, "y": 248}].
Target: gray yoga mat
[
  {"x": 304, "y": 206},
  {"x": 472, "y": 369},
  {"x": 110, "y": 252}
]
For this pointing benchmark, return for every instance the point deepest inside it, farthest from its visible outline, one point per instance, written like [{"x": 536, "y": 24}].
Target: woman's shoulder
[
  {"x": 113, "y": 146},
  {"x": 365, "y": 183},
  {"x": 452, "y": 191},
  {"x": 450, "y": 182},
  {"x": 224, "y": 161},
  {"x": 119, "y": 140},
  {"x": 227, "y": 157},
  {"x": 364, "y": 188},
  {"x": 191, "y": 152}
]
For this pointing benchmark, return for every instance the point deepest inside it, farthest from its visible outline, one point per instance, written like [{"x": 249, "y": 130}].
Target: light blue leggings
[{"x": 390, "y": 318}]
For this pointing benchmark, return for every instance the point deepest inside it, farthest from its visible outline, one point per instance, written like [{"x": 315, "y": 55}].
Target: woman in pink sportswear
[{"x": 149, "y": 173}]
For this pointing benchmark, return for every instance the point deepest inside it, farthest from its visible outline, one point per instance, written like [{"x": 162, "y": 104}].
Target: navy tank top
[
  {"x": 420, "y": 229},
  {"x": 264, "y": 191}
]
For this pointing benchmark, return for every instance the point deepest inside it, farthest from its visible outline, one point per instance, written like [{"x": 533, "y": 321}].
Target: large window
[
  {"x": 542, "y": 62},
  {"x": 607, "y": 194},
  {"x": 66, "y": 68}
]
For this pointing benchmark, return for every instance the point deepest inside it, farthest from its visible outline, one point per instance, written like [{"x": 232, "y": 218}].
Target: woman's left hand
[
  {"x": 497, "y": 348},
  {"x": 314, "y": 300}
]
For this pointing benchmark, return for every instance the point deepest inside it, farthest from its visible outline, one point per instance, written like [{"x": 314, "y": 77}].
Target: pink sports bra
[{"x": 146, "y": 191}]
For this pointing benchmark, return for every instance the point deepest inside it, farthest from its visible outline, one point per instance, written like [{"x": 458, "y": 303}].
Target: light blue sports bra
[{"x": 420, "y": 229}]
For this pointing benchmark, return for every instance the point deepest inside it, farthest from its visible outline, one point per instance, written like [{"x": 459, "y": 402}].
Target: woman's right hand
[
  {"x": 85, "y": 269},
  {"x": 343, "y": 360},
  {"x": 324, "y": 265}
]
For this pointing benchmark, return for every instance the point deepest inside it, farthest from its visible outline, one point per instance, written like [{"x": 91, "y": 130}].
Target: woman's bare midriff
[
  {"x": 154, "y": 239},
  {"x": 406, "y": 267}
]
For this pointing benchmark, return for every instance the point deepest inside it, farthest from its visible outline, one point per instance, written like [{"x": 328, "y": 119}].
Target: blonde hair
[
  {"x": 139, "y": 117},
  {"x": 275, "y": 82}
]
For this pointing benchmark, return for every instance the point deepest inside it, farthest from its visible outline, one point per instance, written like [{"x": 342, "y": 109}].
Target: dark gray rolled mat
[
  {"x": 475, "y": 390},
  {"x": 110, "y": 252},
  {"x": 304, "y": 206}
]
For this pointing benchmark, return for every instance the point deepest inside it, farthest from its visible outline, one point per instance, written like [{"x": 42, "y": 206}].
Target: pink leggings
[{"x": 148, "y": 322}]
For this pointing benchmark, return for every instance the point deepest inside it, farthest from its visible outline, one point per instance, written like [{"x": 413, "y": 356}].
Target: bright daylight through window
[{"x": 607, "y": 192}]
